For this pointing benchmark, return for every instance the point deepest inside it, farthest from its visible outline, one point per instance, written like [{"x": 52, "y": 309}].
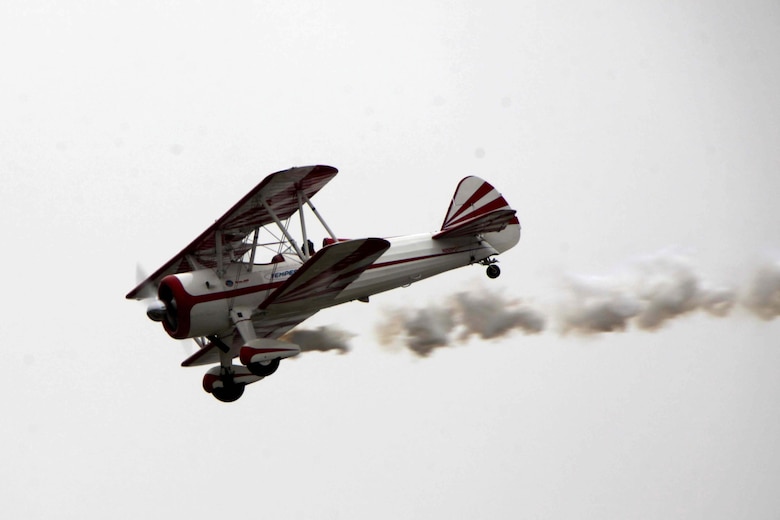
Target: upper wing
[
  {"x": 314, "y": 286},
  {"x": 278, "y": 191}
]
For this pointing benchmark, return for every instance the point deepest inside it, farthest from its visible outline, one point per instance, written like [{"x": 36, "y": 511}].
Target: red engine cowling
[{"x": 191, "y": 309}]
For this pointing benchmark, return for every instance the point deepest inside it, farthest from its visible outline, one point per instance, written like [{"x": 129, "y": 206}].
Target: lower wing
[{"x": 314, "y": 286}]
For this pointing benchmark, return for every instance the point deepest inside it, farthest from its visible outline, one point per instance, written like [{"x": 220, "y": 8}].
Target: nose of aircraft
[{"x": 156, "y": 311}]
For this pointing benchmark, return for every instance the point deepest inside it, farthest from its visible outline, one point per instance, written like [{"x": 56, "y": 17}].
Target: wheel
[
  {"x": 259, "y": 369},
  {"x": 493, "y": 271},
  {"x": 228, "y": 393}
]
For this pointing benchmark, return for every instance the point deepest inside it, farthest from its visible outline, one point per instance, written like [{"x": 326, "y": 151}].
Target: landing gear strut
[
  {"x": 493, "y": 270},
  {"x": 229, "y": 391}
]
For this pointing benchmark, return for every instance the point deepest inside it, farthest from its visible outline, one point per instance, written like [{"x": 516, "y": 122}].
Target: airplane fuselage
[
  {"x": 204, "y": 299},
  {"x": 215, "y": 291}
]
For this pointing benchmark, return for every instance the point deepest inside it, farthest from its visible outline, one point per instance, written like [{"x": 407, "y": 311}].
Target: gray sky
[{"x": 623, "y": 132}]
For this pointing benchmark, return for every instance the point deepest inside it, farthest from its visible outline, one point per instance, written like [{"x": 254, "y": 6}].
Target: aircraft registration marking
[{"x": 281, "y": 274}]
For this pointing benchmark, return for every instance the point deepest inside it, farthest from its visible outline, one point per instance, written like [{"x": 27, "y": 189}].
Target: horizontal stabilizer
[{"x": 490, "y": 222}]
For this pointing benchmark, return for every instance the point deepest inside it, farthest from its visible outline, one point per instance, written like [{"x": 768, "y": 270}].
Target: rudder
[
  {"x": 478, "y": 209},
  {"x": 473, "y": 198}
]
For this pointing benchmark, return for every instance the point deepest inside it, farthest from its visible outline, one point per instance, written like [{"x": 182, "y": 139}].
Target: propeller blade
[
  {"x": 148, "y": 290},
  {"x": 156, "y": 310}
]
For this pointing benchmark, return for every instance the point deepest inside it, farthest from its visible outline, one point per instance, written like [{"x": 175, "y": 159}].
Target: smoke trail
[
  {"x": 647, "y": 296},
  {"x": 596, "y": 305},
  {"x": 657, "y": 290},
  {"x": 321, "y": 339},
  {"x": 423, "y": 329},
  {"x": 763, "y": 293},
  {"x": 457, "y": 318},
  {"x": 492, "y": 316}
]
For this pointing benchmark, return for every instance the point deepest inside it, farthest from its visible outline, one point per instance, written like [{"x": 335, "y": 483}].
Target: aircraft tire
[
  {"x": 228, "y": 393},
  {"x": 493, "y": 271},
  {"x": 259, "y": 369}
]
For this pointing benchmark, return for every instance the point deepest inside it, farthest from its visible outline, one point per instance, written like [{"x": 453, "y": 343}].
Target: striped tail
[{"x": 477, "y": 208}]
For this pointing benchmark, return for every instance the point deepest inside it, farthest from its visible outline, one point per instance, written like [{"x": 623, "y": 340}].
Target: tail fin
[{"x": 478, "y": 208}]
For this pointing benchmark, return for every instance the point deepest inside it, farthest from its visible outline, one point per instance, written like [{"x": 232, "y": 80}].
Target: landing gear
[
  {"x": 229, "y": 391},
  {"x": 264, "y": 370},
  {"x": 492, "y": 269},
  {"x": 227, "y": 383}
]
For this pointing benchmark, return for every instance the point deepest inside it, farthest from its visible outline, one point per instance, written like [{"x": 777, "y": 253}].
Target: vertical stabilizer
[
  {"x": 473, "y": 198},
  {"x": 477, "y": 209}
]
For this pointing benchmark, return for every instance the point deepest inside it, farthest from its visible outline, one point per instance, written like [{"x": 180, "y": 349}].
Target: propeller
[
  {"x": 148, "y": 290},
  {"x": 156, "y": 309},
  {"x": 164, "y": 308}
]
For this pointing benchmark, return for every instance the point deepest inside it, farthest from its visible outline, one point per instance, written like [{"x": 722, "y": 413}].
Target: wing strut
[
  {"x": 319, "y": 217},
  {"x": 306, "y": 248},
  {"x": 254, "y": 249},
  {"x": 284, "y": 231},
  {"x": 218, "y": 246}
]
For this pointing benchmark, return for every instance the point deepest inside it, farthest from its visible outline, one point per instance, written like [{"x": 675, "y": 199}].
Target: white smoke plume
[
  {"x": 763, "y": 293},
  {"x": 456, "y": 319},
  {"x": 321, "y": 339},
  {"x": 492, "y": 316},
  {"x": 422, "y": 329},
  {"x": 647, "y": 295},
  {"x": 596, "y": 305},
  {"x": 655, "y": 291}
]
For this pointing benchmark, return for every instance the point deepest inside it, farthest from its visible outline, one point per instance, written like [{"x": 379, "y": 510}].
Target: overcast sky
[{"x": 637, "y": 140}]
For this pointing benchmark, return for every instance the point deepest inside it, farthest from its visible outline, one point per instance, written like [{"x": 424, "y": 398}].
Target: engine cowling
[{"x": 191, "y": 309}]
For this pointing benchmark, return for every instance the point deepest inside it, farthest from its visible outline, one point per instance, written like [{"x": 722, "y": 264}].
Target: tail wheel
[
  {"x": 262, "y": 370},
  {"x": 493, "y": 271}
]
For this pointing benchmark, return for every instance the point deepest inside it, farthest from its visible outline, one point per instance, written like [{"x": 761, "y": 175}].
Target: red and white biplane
[{"x": 219, "y": 293}]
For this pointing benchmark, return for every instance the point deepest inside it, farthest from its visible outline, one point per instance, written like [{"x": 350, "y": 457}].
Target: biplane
[{"x": 246, "y": 281}]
